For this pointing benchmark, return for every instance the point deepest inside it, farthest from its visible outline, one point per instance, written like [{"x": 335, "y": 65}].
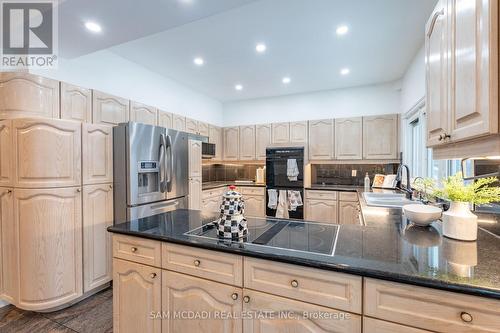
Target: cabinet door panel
[
  {"x": 108, "y": 109},
  {"x": 255, "y": 205},
  {"x": 437, "y": 74},
  {"x": 298, "y": 132},
  {"x": 203, "y": 128},
  {"x": 195, "y": 190},
  {"x": 215, "y": 136},
  {"x": 349, "y": 138},
  {"x": 47, "y": 153},
  {"x": 6, "y": 153},
  {"x": 247, "y": 142},
  {"x": 27, "y": 95},
  {"x": 321, "y": 139},
  {"x": 262, "y": 140},
  {"x": 185, "y": 293},
  {"x": 97, "y": 154},
  {"x": 321, "y": 211},
  {"x": 191, "y": 126},
  {"x": 8, "y": 247},
  {"x": 76, "y": 103},
  {"x": 195, "y": 147},
  {"x": 136, "y": 295},
  {"x": 49, "y": 226},
  {"x": 165, "y": 119},
  {"x": 380, "y": 137},
  {"x": 143, "y": 113},
  {"x": 97, "y": 216},
  {"x": 179, "y": 123},
  {"x": 348, "y": 213},
  {"x": 231, "y": 143},
  {"x": 281, "y": 133},
  {"x": 293, "y": 318}
]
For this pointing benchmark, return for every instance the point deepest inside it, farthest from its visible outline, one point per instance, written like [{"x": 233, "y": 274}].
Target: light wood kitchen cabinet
[
  {"x": 143, "y": 113},
  {"x": 179, "y": 123},
  {"x": 49, "y": 223},
  {"x": 371, "y": 325},
  {"x": 76, "y": 103},
  {"x": 298, "y": 132},
  {"x": 195, "y": 190},
  {"x": 97, "y": 153},
  {"x": 181, "y": 293},
  {"x": 6, "y": 153},
  {"x": 108, "y": 109},
  {"x": 191, "y": 126},
  {"x": 247, "y": 142},
  {"x": 281, "y": 133},
  {"x": 97, "y": 216},
  {"x": 215, "y": 137},
  {"x": 318, "y": 210},
  {"x": 348, "y": 212},
  {"x": 380, "y": 137},
  {"x": 349, "y": 138},
  {"x": 262, "y": 140},
  {"x": 194, "y": 155},
  {"x": 165, "y": 119},
  {"x": 136, "y": 249},
  {"x": 27, "y": 95},
  {"x": 231, "y": 143},
  {"x": 321, "y": 139},
  {"x": 47, "y": 152},
  {"x": 211, "y": 204},
  {"x": 255, "y": 205},
  {"x": 136, "y": 295},
  {"x": 257, "y": 302},
  {"x": 203, "y": 129},
  {"x": 8, "y": 251}
]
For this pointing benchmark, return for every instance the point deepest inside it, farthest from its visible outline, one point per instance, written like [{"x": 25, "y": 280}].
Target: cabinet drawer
[
  {"x": 371, "y": 325},
  {"x": 216, "y": 192},
  {"x": 430, "y": 309},
  {"x": 331, "y": 289},
  {"x": 326, "y": 195},
  {"x": 143, "y": 251},
  {"x": 252, "y": 190},
  {"x": 212, "y": 265},
  {"x": 348, "y": 196}
]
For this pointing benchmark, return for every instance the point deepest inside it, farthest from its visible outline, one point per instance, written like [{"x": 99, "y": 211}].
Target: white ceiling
[{"x": 166, "y": 35}]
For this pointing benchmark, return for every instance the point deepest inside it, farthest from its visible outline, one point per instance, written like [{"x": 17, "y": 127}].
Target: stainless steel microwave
[{"x": 207, "y": 150}]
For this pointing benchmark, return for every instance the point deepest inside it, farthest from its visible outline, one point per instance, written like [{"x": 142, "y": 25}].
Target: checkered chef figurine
[{"x": 232, "y": 224}]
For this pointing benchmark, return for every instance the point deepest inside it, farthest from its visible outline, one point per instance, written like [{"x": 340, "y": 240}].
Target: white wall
[
  {"x": 349, "y": 102},
  {"x": 413, "y": 82},
  {"x": 113, "y": 74}
]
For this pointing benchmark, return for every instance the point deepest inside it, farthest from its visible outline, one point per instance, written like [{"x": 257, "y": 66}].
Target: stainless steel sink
[{"x": 392, "y": 200}]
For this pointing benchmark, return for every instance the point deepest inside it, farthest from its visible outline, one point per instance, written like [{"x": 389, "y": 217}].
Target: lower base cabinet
[
  {"x": 319, "y": 210},
  {"x": 371, "y": 325},
  {"x": 136, "y": 298}
]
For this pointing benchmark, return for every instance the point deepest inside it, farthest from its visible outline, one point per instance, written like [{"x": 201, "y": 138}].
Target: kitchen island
[{"x": 392, "y": 276}]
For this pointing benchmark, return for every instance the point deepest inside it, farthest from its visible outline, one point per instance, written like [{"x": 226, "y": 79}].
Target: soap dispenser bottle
[{"x": 367, "y": 183}]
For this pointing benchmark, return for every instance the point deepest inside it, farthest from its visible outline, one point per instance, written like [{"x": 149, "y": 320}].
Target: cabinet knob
[
  {"x": 110, "y": 186},
  {"x": 78, "y": 190},
  {"x": 446, "y": 136},
  {"x": 294, "y": 283},
  {"x": 9, "y": 191},
  {"x": 197, "y": 263},
  {"x": 440, "y": 137},
  {"x": 466, "y": 317},
  {"x": 133, "y": 249},
  {"x": 234, "y": 296},
  {"x": 246, "y": 299},
  {"x": 153, "y": 275}
]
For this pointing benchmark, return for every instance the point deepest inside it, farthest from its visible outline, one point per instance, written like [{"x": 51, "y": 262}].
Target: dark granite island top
[{"x": 396, "y": 251}]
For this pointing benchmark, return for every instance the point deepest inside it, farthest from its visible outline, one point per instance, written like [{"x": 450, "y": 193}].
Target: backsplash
[
  {"x": 341, "y": 174},
  {"x": 228, "y": 172}
]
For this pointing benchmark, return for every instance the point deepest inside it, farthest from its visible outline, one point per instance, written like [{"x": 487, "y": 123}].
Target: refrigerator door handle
[
  {"x": 162, "y": 163},
  {"x": 165, "y": 204},
  {"x": 171, "y": 161}
]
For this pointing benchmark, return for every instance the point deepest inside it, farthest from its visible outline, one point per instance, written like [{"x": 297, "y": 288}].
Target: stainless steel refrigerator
[{"x": 150, "y": 165}]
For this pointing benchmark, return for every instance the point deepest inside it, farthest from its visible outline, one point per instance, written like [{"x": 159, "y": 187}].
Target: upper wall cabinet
[
  {"x": 97, "y": 154},
  {"x": 349, "y": 138},
  {"x": 215, "y": 136},
  {"x": 179, "y": 123},
  {"x": 191, "y": 126},
  {"x": 380, "y": 137},
  {"x": 76, "y": 103},
  {"x": 142, "y": 113},
  {"x": 47, "y": 152},
  {"x": 6, "y": 153},
  {"x": 26, "y": 95},
  {"x": 298, "y": 132},
  {"x": 281, "y": 133},
  {"x": 231, "y": 143},
  {"x": 262, "y": 140},
  {"x": 109, "y": 109},
  {"x": 203, "y": 128},
  {"x": 321, "y": 139},
  {"x": 165, "y": 119},
  {"x": 247, "y": 142}
]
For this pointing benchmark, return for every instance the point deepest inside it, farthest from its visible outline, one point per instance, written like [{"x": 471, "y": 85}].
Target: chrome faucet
[{"x": 399, "y": 185}]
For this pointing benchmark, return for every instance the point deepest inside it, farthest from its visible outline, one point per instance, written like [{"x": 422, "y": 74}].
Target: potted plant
[{"x": 459, "y": 222}]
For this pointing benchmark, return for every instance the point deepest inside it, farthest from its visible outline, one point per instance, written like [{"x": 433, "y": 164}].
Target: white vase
[{"x": 459, "y": 222}]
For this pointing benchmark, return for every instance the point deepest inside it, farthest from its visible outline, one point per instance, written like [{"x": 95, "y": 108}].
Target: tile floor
[{"x": 92, "y": 315}]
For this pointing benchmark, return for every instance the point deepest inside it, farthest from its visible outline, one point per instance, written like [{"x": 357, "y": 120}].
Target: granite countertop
[
  {"x": 217, "y": 184},
  {"x": 394, "y": 250}
]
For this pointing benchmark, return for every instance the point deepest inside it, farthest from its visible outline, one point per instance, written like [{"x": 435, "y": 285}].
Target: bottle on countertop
[{"x": 367, "y": 182}]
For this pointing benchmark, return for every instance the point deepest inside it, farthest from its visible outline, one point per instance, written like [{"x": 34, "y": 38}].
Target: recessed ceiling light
[
  {"x": 261, "y": 47},
  {"x": 345, "y": 71},
  {"x": 92, "y": 26},
  {"x": 198, "y": 61},
  {"x": 286, "y": 80},
  {"x": 342, "y": 30},
  {"x": 238, "y": 87}
]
